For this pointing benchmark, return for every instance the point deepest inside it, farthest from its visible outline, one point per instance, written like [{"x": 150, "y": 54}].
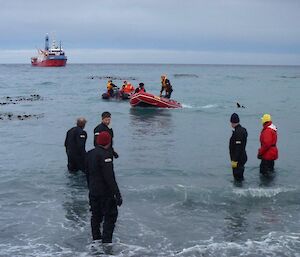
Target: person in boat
[
  {"x": 121, "y": 92},
  {"x": 237, "y": 148},
  {"x": 75, "y": 146},
  {"x": 126, "y": 90},
  {"x": 141, "y": 88},
  {"x": 166, "y": 86},
  {"x": 128, "y": 87},
  {"x": 104, "y": 193},
  {"x": 268, "y": 151},
  {"x": 110, "y": 88},
  {"x": 104, "y": 126}
]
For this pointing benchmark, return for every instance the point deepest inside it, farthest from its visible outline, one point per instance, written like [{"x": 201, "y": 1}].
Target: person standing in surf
[
  {"x": 268, "y": 151},
  {"x": 104, "y": 126},
  {"x": 104, "y": 193},
  {"x": 237, "y": 148},
  {"x": 75, "y": 146}
]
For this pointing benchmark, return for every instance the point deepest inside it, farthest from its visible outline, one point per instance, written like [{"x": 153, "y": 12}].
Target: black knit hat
[
  {"x": 234, "y": 118},
  {"x": 106, "y": 115}
]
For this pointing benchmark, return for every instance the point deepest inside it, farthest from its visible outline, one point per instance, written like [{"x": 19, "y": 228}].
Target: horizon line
[{"x": 190, "y": 64}]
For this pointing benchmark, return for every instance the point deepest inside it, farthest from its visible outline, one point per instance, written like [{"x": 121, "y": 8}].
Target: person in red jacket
[{"x": 268, "y": 151}]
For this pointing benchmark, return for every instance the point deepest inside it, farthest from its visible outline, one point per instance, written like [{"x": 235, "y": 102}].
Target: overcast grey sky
[{"x": 153, "y": 31}]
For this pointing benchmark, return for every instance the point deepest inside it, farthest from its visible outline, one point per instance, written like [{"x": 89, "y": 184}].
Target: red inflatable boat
[{"x": 144, "y": 99}]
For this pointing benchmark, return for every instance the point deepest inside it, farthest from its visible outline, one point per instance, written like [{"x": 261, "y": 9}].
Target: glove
[
  {"x": 234, "y": 164},
  {"x": 119, "y": 200},
  {"x": 115, "y": 154},
  {"x": 259, "y": 156}
]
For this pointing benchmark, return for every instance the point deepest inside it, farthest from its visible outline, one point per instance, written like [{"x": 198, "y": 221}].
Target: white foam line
[
  {"x": 271, "y": 244},
  {"x": 262, "y": 192}
]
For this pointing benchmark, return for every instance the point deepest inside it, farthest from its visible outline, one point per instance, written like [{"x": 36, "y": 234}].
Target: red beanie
[{"x": 103, "y": 138}]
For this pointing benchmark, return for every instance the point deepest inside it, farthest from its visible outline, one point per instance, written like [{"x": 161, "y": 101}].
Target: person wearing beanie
[
  {"x": 268, "y": 151},
  {"x": 237, "y": 148},
  {"x": 103, "y": 126},
  {"x": 140, "y": 88},
  {"x": 104, "y": 193},
  {"x": 75, "y": 146}
]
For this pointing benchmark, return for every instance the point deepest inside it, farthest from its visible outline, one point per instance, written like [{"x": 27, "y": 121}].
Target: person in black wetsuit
[
  {"x": 104, "y": 193},
  {"x": 75, "y": 146},
  {"x": 103, "y": 126},
  {"x": 237, "y": 148}
]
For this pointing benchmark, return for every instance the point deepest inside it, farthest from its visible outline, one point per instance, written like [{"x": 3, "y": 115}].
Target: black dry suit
[
  {"x": 75, "y": 148},
  {"x": 104, "y": 193},
  {"x": 237, "y": 150},
  {"x": 100, "y": 128}
]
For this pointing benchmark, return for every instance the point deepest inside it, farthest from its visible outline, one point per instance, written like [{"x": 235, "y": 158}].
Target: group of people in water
[
  {"x": 97, "y": 164},
  {"x": 128, "y": 89},
  {"x": 267, "y": 153}
]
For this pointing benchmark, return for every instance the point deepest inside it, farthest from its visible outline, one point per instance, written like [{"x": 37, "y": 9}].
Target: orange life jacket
[{"x": 128, "y": 88}]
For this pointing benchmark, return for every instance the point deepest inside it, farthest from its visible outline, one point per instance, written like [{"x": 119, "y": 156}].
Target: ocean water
[{"x": 174, "y": 169}]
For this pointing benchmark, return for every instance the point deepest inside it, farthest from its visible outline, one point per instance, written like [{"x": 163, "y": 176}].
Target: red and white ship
[{"x": 50, "y": 57}]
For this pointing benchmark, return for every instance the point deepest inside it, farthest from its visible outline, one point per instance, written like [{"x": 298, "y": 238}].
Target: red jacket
[{"x": 268, "y": 139}]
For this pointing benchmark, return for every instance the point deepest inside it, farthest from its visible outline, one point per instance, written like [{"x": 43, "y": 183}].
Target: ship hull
[{"x": 49, "y": 63}]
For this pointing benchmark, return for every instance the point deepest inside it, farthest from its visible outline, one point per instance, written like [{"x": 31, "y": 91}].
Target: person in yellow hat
[{"x": 268, "y": 151}]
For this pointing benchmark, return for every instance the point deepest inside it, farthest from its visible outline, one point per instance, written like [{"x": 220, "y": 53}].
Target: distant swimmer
[
  {"x": 240, "y": 106},
  {"x": 268, "y": 151},
  {"x": 237, "y": 148},
  {"x": 75, "y": 146}
]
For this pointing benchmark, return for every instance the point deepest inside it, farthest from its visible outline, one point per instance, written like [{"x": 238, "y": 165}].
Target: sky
[{"x": 263, "y": 32}]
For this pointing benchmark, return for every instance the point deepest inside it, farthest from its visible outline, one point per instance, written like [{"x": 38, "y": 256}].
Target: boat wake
[{"x": 207, "y": 106}]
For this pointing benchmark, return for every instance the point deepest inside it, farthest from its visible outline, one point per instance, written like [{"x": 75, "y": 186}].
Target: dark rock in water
[
  {"x": 178, "y": 75},
  {"x": 16, "y": 99},
  {"x": 11, "y": 116},
  {"x": 290, "y": 77},
  {"x": 113, "y": 78}
]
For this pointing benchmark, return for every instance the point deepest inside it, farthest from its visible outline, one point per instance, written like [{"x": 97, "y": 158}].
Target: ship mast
[{"x": 46, "y": 42}]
